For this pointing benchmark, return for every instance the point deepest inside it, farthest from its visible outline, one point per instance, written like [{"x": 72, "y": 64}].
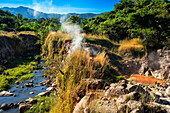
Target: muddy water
[{"x": 24, "y": 93}]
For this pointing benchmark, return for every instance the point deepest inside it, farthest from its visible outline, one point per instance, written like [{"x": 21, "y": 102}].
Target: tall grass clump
[
  {"x": 53, "y": 44},
  {"x": 77, "y": 66}
]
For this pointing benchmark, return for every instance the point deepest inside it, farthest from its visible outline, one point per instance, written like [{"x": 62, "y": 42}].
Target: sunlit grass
[
  {"x": 26, "y": 77},
  {"x": 77, "y": 66},
  {"x": 131, "y": 45}
]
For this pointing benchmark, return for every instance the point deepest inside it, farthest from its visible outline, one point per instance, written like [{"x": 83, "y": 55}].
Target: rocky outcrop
[
  {"x": 156, "y": 64},
  {"x": 124, "y": 97},
  {"x": 84, "y": 103},
  {"x": 15, "y": 44}
]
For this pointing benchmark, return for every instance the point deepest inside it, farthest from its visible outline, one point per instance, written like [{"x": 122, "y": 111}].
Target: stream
[{"x": 24, "y": 93}]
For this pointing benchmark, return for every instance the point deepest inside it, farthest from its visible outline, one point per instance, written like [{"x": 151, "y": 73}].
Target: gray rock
[
  {"x": 31, "y": 101},
  {"x": 93, "y": 83},
  {"x": 11, "y": 105},
  {"x": 23, "y": 107},
  {"x": 84, "y": 103},
  {"x": 31, "y": 92},
  {"x": 28, "y": 84},
  {"x": 31, "y": 81},
  {"x": 132, "y": 104},
  {"x": 54, "y": 84},
  {"x": 4, "y": 106},
  {"x": 50, "y": 89},
  {"x": 168, "y": 91},
  {"x": 43, "y": 93},
  {"x": 6, "y": 93},
  {"x": 17, "y": 82}
]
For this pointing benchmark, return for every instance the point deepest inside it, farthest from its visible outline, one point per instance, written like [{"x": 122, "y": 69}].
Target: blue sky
[{"x": 63, "y": 6}]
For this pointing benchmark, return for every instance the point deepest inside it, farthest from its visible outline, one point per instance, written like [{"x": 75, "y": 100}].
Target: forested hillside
[
  {"x": 42, "y": 26},
  {"x": 145, "y": 19}
]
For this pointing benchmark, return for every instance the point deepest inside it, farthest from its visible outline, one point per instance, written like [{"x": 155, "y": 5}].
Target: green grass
[
  {"x": 21, "y": 72},
  {"x": 42, "y": 106},
  {"x": 26, "y": 77},
  {"x": 3, "y": 83}
]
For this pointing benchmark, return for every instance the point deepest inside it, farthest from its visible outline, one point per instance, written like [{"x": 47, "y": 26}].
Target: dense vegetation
[
  {"x": 145, "y": 19},
  {"x": 42, "y": 26}
]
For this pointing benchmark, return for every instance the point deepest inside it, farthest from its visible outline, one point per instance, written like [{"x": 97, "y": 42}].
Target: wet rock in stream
[{"x": 6, "y": 93}]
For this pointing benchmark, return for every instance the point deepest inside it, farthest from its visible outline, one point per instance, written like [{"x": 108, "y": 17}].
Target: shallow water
[{"x": 24, "y": 93}]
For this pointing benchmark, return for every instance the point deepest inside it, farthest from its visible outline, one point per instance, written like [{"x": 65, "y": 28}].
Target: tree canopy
[{"x": 145, "y": 19}]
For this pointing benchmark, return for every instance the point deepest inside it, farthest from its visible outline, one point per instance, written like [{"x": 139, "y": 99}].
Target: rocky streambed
[{"x": 13, "y": 98}]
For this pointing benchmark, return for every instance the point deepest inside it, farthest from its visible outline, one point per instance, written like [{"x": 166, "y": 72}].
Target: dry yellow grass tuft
[
  {"x": 131, "y": 45},
  {"x": 101, "y": 58},
  {"x": 94, "y": 36}
]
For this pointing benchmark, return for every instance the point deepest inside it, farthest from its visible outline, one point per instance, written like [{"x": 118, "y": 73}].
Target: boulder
[
  {"x": 137, "y": 88},
  {"x": 43, "y": 93},
  {"x": 17, "y": 82},
  {"x": 11, "y": 105},
  {"x": 122, "y": 99},
  {"x": 94, "y": 83},
  {"x": 54, "y": 84},
  {"x": 31, "y": 101},
  {"x": 28, "y": 84},
  {"x": 132, "y": 104},
  {"x": 23, "y": 107},
  {"x": 116, "y": 90},
  {"x": 4, "y": 106},
  {"x": 168, "y": 92},
  {"x": 6, "y": 93},
  {"x": 50, "y": 89},
  {"x": 84, "y": 103}
]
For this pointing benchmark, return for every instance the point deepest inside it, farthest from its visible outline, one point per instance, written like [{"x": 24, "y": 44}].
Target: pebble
[{"x": 32, "y": 92}]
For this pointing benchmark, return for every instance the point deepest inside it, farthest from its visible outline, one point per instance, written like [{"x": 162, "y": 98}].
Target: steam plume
[{"x": 74, "y": 31}]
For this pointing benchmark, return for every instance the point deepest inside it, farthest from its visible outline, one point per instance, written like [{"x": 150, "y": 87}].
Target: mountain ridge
[{"x": 31, "y": 13}]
